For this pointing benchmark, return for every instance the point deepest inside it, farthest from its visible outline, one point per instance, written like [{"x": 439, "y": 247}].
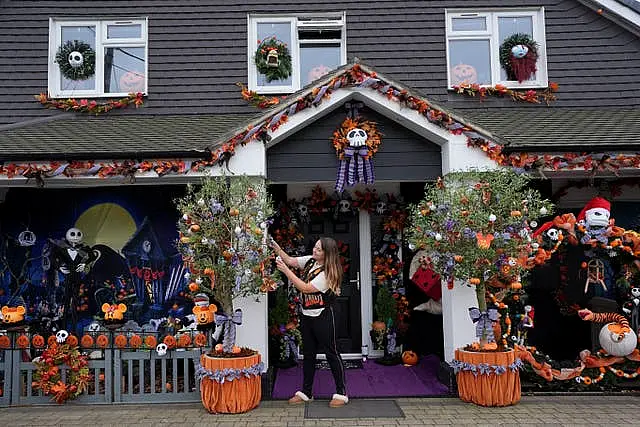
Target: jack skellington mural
[{"x": 73, "y": 258}]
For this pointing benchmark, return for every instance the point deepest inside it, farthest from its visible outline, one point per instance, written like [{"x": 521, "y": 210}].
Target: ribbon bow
[
  {"x": 355, "y": 167},
  {"x": 228, "y": 325},
  {"x": 290, "y": 346},
  {"x": 484, "y": 322}
]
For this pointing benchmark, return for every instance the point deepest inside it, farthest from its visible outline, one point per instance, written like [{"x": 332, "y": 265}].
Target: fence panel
[
  {"x": 5, "y": 377},
  {"x": 143, "y": 376}
]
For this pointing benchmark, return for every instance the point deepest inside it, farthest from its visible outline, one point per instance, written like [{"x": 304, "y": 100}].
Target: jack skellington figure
[{"x": 73, "y": 259}]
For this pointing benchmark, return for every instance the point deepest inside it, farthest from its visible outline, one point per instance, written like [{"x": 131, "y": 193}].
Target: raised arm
[{"x": 289, "y": 260}]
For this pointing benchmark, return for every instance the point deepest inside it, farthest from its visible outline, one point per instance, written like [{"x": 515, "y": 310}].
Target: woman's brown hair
[{"x": 332, "y": 266}]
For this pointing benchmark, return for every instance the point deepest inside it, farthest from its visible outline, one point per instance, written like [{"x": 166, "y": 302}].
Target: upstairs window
[
  {"x": 316, "y": 44},
  {"x": 97, "y": 58},
  {"x": 474, "y": 41}
]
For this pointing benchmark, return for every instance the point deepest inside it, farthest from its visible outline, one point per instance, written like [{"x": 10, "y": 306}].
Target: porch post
[{"x": 366, "y": 290}]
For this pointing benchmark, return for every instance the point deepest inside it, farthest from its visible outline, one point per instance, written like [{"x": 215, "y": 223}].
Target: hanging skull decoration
[
  {"x": 61, "y": 336},
  {"x": 303, "y": 211},
  {"x": 74, "y": 236},
  {"x": 161, "y": 349},
  {"x": 27, "y": 238},
  {"x": 553, "y": 234},
  {"x": 146, "y": 246},
  {"x": 76, "y": 59},
  {"x": 357, "y": 137},
  {"x": 381, "y": 207},
  {"x": 519, "y": 51},
  {"x": 344, "y": 206}
]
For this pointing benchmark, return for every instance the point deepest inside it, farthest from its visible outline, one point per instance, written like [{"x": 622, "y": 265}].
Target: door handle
[{"x": 356, "y": 280}]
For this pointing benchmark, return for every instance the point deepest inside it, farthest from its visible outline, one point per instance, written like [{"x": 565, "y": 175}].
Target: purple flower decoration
[{"x": 216, "y": 207}]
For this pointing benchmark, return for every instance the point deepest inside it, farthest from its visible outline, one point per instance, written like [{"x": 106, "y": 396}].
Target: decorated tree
[
  {"x": 222, "y": 238},
  {"x": 477, "y": 226}
]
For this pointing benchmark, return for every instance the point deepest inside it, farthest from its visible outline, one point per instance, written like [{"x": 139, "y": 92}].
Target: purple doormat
[{"x": 373, "y": 380}]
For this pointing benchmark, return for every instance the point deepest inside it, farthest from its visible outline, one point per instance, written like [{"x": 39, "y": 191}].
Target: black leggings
[{"x": 319, "y": 333}]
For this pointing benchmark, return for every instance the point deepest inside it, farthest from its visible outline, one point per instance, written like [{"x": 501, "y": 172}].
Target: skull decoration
[
  {"x": 381, "y": 207},
  {"x": 303, "y": 211},
  {"x": 272, "y": 58},
  {"x": 146, "y": 246},
  {"x": 598, "y": 217},
  {"x": 553, "y": 234},
  {"x": 74, "y": 236},
  {"x": 161, "y": 349},
  {"x": 61, "y": 336},
  {"x": 76, "y": 59},
  {"x": 357, "y": 137},
  {"x": 344, "y": 206},
  {"x": 519, "y": 51},
  {"x": 27, "y": 238},
  {"x": 93, "y": 327}
]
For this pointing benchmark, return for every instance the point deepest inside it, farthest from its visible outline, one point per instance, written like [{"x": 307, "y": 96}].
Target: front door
[{"x": 347, "y": 307}]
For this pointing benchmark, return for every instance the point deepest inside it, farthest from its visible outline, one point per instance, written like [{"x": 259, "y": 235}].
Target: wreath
[
  {"x": 48, "y": 375},
  {"x": 273, "y": 59},
  {"x": 341, "y": 141},
  {"x": 518, "y": 56},
  {"x": 76, "y": 59}
]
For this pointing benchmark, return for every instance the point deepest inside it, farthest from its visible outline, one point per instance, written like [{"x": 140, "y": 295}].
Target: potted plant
[
  {"x": 222, "y": 241},
  {"x": 477, "y": 227}
]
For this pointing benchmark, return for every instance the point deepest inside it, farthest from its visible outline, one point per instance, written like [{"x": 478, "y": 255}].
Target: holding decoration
[
  {"x": 273, "y": 59},
  {"x": 355, "y": 143},
  {"x": 518, "y": 57},
  {"x": 77, "y": 60}
]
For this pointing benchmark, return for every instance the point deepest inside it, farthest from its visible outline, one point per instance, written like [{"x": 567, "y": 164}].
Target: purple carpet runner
[{"x": 373, "y": 380}]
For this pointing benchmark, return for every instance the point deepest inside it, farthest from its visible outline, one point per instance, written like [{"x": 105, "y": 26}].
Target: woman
[{"x": 319, "y": 284}]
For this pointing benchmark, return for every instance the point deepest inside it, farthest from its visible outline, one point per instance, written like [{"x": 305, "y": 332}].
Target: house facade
[{"x": 113, "y": 104}]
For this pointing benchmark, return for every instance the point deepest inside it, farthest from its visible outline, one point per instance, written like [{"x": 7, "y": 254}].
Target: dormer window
[
  {"x": 97, "y": 58},
  {"x": 474, "y": 41},
  {"x": 316, "y": 44}
]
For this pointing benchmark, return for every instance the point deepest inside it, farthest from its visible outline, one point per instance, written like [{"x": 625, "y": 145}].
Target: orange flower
[{"x": 553, "y": 86}]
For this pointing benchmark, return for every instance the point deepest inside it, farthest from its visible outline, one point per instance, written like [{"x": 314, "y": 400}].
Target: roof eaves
[{"x": 622, "y": 13}]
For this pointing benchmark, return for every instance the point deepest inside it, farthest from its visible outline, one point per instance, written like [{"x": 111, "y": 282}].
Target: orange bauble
[{"x": 409, "y": 358}]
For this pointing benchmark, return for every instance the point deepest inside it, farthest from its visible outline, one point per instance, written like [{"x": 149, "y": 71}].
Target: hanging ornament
[
  {"x": 27, "y": 238},
  {"x": 272, "y": 59},
  {"x": 355, "y": 143},
  {"x": 518, "y": 57},
  {"x": 77, "y": 60}
]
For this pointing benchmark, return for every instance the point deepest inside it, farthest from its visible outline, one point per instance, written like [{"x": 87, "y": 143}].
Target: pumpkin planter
[
  {"x": 488, "y": 378},
  {"x": 230, "y": 385}
]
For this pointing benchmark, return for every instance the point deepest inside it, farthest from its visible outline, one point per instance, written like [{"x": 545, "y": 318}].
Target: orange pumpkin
[
  {"x": 170, "y": 341},
  {"x": 102, "y": 341},
  {"x": 236, "y": 349},
  {"x": 22, "y": 341},
  {"x": 316, "y": 72},
  {"x": 516, "y": 286},
  {"x": 120, "y": 341},
  {"x": 5, "y": 342},
  {"x": 37, "y": 341},
  {"x": 474, "y": 281},
  {"x": 150, "y": 341},
  {"x": 52, "y": 340},
  {"x": 184, "y": 340},
  {"x": 378, "y": 326},
  {"x": 194, "y": 228},
  {"x": 200, "y": 340},
  {"x": 132, "y": 82},
  {"x": 463, "y": 73},
  {"x": 409, "y": 358},
  {"x": 86, "y": 341},
  {"x": 72, "y": 341},
  {"x": 135, "y": 341}
]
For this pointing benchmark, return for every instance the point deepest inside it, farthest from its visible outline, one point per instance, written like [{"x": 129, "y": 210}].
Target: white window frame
[
  {"x": 101, "y": 42},
  {"x": 294, "y": 49},
  {"x": 491, "y": 34}
]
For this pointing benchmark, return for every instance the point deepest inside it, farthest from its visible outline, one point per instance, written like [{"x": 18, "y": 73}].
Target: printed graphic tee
[{"x": 319, "y": 282}]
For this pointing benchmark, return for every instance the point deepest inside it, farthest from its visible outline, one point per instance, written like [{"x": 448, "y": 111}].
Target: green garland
[
  {"x": 283, "y": 69},
  {"x": 83, "y": 72},
  {"x": 508, "y": 44}
]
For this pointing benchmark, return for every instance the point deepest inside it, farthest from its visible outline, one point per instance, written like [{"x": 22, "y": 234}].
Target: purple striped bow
[{"x": 355, "y": 167}]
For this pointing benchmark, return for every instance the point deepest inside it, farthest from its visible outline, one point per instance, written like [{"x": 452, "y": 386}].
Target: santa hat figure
[
  {"x": 201, "y": 300},
  {"x": 596, "y": 212}
]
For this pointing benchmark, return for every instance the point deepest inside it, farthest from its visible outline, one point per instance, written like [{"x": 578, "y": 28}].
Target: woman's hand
[
  {"x": 274, "y": 245},
  {"x": 280, "y": 264}
]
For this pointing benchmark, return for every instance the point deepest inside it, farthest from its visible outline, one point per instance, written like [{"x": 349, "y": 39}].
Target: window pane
[
  {"x": 469, "y": 24},
  {"x": 316, "y": 60},
  {"x": 282, "y": 32},
  {"x": 132, "y": 31},
  {"x": 124, "y": 69},
  {"x": 470, "y": 61},
  {"x": 510, "y": 25},
  {"x": 84, "y": 34}
]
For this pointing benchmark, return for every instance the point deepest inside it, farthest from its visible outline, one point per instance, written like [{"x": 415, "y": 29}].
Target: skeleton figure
[
  {"x": 381, "y": 207},
  {"x": 72, "y": 258},
  {"x": 303, "y": 212},
  {"x": 631, "y": 308}
]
